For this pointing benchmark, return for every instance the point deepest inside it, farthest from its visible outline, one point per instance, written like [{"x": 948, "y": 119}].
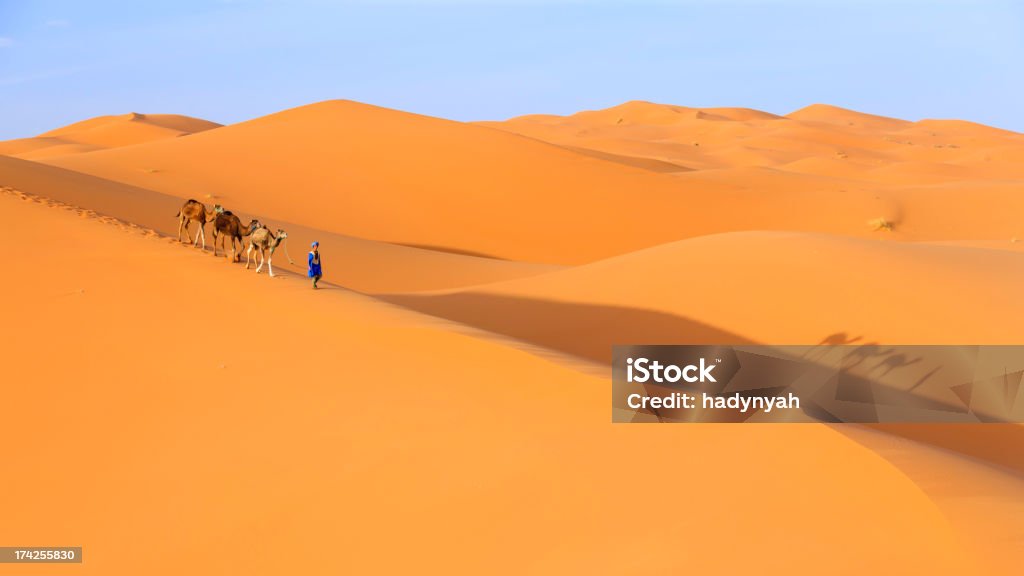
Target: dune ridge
[
  {"x": 728, "y": 138},
  {"x": 345, "y": 164},
  {"x": 105, "y": 132}
]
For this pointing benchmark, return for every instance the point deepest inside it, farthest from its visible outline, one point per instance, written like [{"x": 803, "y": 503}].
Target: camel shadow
[{"x": 894, "y": 362}]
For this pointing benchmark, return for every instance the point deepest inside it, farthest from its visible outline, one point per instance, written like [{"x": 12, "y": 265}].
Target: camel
[
  {"x": 262, "y": 239},
  {"x": 227, "y": 225},
  {"x": 196, "y": 210}
]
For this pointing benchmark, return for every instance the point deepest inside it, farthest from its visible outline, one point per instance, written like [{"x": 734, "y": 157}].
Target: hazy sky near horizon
[{"x": 227, "y": 61}]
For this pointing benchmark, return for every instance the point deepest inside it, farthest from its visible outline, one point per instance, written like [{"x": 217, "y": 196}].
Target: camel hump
[{"x": 227, "y": 213}]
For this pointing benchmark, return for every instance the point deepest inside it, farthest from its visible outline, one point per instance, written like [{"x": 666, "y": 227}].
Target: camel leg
[
  {"x": 183, "y": 223},
  {"x": 201, "y": 235},
  {"x": 270, "y": 263},
  {"x": 247, "y": 254},
  {"x": 215, "y": 242},
  {"x": 263, "y": 259}
]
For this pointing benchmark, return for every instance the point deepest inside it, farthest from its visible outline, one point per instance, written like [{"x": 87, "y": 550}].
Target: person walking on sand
[{"x": 315, "y": 272}]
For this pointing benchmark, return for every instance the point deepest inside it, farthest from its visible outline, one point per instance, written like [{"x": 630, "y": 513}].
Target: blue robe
[{"x": 314, "y": 265}]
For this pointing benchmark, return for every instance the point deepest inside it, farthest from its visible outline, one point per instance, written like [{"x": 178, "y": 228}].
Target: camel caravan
[{"x": 227, "y": 226}]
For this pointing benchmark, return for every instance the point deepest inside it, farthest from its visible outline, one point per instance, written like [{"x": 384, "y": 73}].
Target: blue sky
[{"x": 63, "y": 61}]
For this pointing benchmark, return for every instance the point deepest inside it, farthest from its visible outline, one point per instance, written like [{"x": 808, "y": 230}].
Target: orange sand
[
  {"x": 173, "y": 413},
  {"x": 105, "y": 132}
]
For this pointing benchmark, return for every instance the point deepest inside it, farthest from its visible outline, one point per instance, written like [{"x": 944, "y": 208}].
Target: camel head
[
  {"x": 218, "y": 209},
  {"x": 281, "y": 235},
  {"x": 254, "y": 225}
]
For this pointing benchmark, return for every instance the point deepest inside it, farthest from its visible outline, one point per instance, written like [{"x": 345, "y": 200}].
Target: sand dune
[
  {"x": 266, "y": 439},
  {"x": 498, "y": 262},
  {"x": 648, "y": 113},
  {"x": 115, "y": 130},
  {"x": 982, "y": 502},
  {"x": 716, "y": 138},
  {"x": 339, "y": 166},
  {"x": 828, "y": 114},
  {"x": 345, "y": 164},
  {"x": 966, "y": 129},
  {"x": 353, "y": 262},
  {"x": 651, "y": 164},
  {"x": 42, "y": 146},
  {"x": 767, "y": 287},
  {"x": 105, "y": 132}
]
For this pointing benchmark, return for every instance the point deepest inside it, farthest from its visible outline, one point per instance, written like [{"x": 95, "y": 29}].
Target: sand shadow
[
  {"x": 1001, "y": 445},
  {"x": 583, "y": 330}
]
